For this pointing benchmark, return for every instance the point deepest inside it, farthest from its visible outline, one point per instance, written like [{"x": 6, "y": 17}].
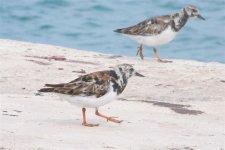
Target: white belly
[
  {"x": 90, "y": 101},
  {"x": 155, "y": 40}
]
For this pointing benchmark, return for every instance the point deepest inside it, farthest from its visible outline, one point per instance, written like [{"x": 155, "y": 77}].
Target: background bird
[
  {"x": 95, "y": 89},
  {"x": 159, "y": 30}
]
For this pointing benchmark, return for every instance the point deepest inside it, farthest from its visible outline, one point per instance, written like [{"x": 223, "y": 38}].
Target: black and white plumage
[
  {"x": 95, "y": 89},
  {"x": 159, "y": 30}
]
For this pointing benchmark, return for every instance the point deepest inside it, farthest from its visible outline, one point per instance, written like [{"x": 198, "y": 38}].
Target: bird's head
[
  {"x": 193, "y": 12},
  {"x": 127, "y": 70}
]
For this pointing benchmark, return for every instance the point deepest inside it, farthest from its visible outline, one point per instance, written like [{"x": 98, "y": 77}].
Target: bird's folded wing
[
  {"x": 93, "y": 84},
  {"x": 151, "y": 26}
]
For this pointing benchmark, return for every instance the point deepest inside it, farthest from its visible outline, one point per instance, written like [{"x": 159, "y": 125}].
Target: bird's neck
[
  {"x": 179, "y": 20},
  {"x": 119, "y": 81}
]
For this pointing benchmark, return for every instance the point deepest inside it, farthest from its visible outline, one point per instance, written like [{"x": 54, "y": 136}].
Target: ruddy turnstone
[
  {"x": 159, "y": 30},
  {"x": 95, "y": 89}
]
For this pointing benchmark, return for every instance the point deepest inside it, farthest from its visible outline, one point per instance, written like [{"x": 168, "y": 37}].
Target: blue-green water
[{"x": 88, "y": 25}]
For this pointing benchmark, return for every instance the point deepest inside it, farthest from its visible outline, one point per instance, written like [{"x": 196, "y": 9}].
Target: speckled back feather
[
  {"x": 96, "y": 83},
  {"x": 151, "y": 26}
]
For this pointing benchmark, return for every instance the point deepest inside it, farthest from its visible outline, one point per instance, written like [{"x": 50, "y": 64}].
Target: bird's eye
[{"x": 131, "y": 69}]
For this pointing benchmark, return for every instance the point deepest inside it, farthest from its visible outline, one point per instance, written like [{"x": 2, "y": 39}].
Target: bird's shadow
[{"x": 178, "y": 108}]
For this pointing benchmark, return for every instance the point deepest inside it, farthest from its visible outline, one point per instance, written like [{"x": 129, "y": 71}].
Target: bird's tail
[
  {"x": 46, "y": 90},
  {"x": 51, "y": 87},
  {"x": 55, "y": 85},
  {"x": 118, "y": 30}
]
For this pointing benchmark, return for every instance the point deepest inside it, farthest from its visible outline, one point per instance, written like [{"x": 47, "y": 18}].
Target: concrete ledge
[{"x": 178, "y": 105}]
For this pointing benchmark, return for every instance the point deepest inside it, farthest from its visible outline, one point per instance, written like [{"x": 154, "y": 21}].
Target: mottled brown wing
[
  {"x": 93, "y": 84},
  {"x": 151, "y": 26}
]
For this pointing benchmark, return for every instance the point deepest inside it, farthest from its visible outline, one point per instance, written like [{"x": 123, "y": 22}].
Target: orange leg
[
  {"x": 158, "y": 57},
  {"x": 84, "y": 119},
  {"x": 139, "y": 52},
  {"x": 108, "y": 118}
]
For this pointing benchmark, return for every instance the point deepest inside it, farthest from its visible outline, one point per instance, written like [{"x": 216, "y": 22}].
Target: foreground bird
[
  {"x": 95, "y": 89},
  {"x": 159, "y": 30}
]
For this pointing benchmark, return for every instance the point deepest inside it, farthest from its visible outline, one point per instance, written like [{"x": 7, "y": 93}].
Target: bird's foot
[
  {"x": 114, "y": 120},
  {"x": 108, "y": 118},
  {"x": 89, "y": 125},
  {"x": 164, "y": 61}
]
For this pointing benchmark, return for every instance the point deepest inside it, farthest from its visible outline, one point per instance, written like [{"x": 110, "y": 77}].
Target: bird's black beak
[
  {"x": 138, "y": 74},
  {"x": 200, "y": 17}
]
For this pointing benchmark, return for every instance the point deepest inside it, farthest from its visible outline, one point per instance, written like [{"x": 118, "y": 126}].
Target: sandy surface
[{"x": 178, "y": 105}]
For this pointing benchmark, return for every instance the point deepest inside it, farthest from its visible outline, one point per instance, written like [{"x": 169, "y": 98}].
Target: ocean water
[{"x": 88, "y": 25}]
